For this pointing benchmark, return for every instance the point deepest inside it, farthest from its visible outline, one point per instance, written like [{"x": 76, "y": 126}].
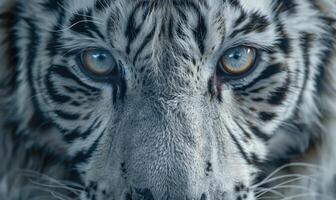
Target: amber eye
[
  {"x": 238, "y": 60},
  {"x": 98, "y": 62}
]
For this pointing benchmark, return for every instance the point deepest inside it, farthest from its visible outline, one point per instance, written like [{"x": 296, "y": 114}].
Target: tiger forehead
[
  {"x": 188, "y": 27},
  {"x": 259, "y": 5}
]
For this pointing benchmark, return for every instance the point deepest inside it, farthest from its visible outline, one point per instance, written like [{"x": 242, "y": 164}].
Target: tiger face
[{"x": 168, "y": 99}]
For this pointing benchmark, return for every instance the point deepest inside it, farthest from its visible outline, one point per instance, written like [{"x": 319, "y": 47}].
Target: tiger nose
[{"x": 146, "y": 194}]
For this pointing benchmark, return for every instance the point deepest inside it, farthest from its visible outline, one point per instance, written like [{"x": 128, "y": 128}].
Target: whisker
[
  {"x": 287, "y": 166},
  {"x": 51, "y": 192},
  {"x": 307, "y": 195},
  {"x": 271, "y": 191},
  {"x": 280, "y": 184},
  {"x": 75, "y": 191},
  {"x": 283, "y": 177},
  {"x": 68, "y": 184}
]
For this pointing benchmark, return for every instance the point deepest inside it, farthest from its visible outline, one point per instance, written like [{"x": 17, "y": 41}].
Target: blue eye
[
  {"x": 238, "y": 60},
  {"x": 98, "y": 62}
]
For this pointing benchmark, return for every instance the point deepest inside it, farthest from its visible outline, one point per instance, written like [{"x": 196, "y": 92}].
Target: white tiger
[{"x": 167, "y": 99}]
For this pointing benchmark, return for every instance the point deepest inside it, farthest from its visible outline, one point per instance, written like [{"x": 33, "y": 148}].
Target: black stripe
[
  {"x": 66, "y": 115},
  {"x": 64, "y": 72},
  {"x": 53, "y": 5},
  {"x": 34, "y": 41},
  {"x": 258, "y": 23},
  {"x": 248, "y": 135},
  {"x": 147, "y": 39},
  {"x": 284, "y": 42},
  {"x": 101, "y": 5},
  {"x": 75, "y": 134},
  {"x": 281, "y": 6},
  {"x": 83, "y": 156},
  {"x": 74, "y": 89},
  {"x": 279, "y": 95},
  {"x": 200, "y": 31},
  {"x": 10, "y": 20},
  {"x": 82, "y": 22},
  {"x": 53, "y": 93},
  {"x": 266, "y": 74},
  {"x": 306, "y": 40},
  {"x": 54, "y": 41},
  {"x": 234, "y": 3},
  {"x": 240, "y": 148},
  {"x": 132, "y": 31},
  {"x": 257, "y": 132},
  {"x": 78, "y": 23},
  {"x": 92, "y": 26},
  {"x": 241, "y": 19},
  {"x": 267, "y": 116}
]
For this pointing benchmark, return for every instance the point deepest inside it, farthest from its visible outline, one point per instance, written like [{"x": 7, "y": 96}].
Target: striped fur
[{"x": 168, "y": 125}]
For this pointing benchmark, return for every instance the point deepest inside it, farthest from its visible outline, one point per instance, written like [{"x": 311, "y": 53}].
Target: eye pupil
[
  {"x": 236, "y": 55},
  {"x": 100, "y": 57}
]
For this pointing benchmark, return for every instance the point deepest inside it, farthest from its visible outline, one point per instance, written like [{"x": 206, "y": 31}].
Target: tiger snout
[{"x": 171, "y": 157}]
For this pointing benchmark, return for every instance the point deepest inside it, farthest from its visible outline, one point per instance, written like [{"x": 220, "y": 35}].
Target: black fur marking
[
  {"x": 267, "y": 116},
  {"x": 306, "y": 40},
  {"x": 83, "y": 156},
  {"x": 75, "y": 134},
  {"x": 65, "y": 73},
  {"x": 204, "y": 197},
  {"x": 208, "y": 168},
  {"x": 123, "y": 168},
  {"x": 257, "y": 132},
  {"x": 278, "y": 96},
  {"x": 132, "y": 31},
  {"x": 247, "y": 135},
  {"x": 101, "y": 5},
  {"x": 267, "y": 73},
  {"x": 55, "y": 36},
  {"x": 67, "y": 115},
  {"x": 146, "y": 194},
  {"x": 83, "y": 23},
  {"x": 53, "y": 5},
  {"x": 37, "y": 122},
  {"x": 241, "y": 19},
  {"x": 128, "y": 196},
  {"x": 234, "y": 3},
  {"x": 284, "y": 42},
  {"x": 239, "y": 147},
  {"x": 31, "y": 57},
  {"x": 257, "y": 23},
  {"x": 147, "y": 39},
  {"x": 200, "y": 33},
  {"x": 282, "y": 6},
  {"x": 10, "y": 20}
]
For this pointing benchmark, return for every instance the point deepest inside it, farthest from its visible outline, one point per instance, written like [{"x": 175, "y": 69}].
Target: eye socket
[
  {"x": 98, "y": 62},
  {"x": 238, "y": 61}
]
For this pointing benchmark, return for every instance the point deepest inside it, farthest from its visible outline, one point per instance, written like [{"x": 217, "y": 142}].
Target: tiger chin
[{"x": 167, "y": 99}]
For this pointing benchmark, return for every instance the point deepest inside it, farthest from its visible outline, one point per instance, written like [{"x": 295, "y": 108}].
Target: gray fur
[{"x": 169, "y": 136}]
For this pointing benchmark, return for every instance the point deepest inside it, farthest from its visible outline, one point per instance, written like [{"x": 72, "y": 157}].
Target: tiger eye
[
  {"x": 238, "y": 60},
  {"x": 99, "y": 62}
]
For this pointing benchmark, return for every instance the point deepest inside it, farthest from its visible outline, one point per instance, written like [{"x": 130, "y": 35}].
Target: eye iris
[
  {"x": 98, "y": 61},
  {"x": 238, "y": 60}
]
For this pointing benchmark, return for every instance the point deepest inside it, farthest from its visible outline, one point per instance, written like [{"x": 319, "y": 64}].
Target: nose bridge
[
  {"x": 170, "y": 68},
  {"x": 161, "y": 116},
  {"x": 168, "y": 77},
  {"x": 161, "y": 146}
]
